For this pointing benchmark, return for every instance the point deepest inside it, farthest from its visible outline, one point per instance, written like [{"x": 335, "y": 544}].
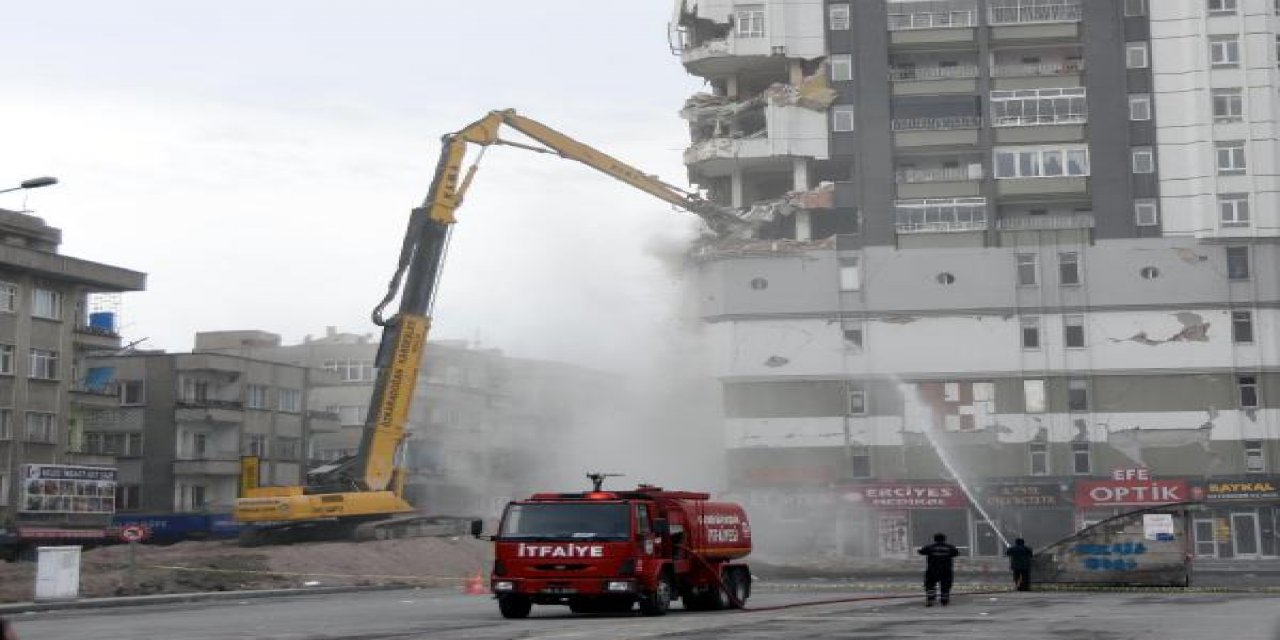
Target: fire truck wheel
[
  {"x": 514, "y": 606},
  {"x": 656, "y": 602},
  {"x": 738, "y": 583}
]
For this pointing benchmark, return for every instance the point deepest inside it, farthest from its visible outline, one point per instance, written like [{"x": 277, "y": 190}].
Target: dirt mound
[{"x": 222, "y": 566}]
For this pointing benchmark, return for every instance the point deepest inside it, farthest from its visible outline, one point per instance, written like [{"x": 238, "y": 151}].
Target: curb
[{"x": 172, "y": 598}]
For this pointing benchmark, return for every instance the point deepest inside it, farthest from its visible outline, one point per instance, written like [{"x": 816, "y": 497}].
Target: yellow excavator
[{"x": 362, "y": 496}]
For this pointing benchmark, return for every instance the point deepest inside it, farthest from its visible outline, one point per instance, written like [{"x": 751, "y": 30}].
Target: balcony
[
  {"x": 1047, "y": 222},
  {"x": 908, "y": 72},
  {"x": 1006, "y": 12},
  {"x": 939, "y": 174},
  {"x": 933, "y": 80},
  {"x": 942, "y": 123},
  {"x": 955, "y": 19},
  {"x": 1038, "y": 69},
  {"x": 941, "y": 215},
  {"x": 96, "y": 337},
  {"x": 209, "y": 411},
  {"x": 209, "y": 463},
  {"x": 936, "y": 131},
  {"x": 788, "y": 131},
  {"x": 939, "y": 181}
]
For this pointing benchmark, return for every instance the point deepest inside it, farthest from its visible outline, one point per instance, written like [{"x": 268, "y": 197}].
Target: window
[
  {"x": 1144, "y": 160},
  {"x": 941, "y": 214},
  {"x": 1149, "y": 273},
  {"x": 860, "y": 462},
  {"x": 350, "y": 414},
  {"x": 1224, "y": 51},
  {"x": 1228, "y": 104},
  {"x": 842, "y": 117},
  {"x": 40, "y": 427},
  {"x": 351, "y": 370},
  {"x": 1031, "y": 333},
  {"x": 1028, "y": 270},
  {"x": 1230, "y": 157},
  {"x": 1254, "y": 461},
  {"x": 4, "y": 489},
  {"x": 1233, "y": 209},
  {"x": 44, "y": 364},
  {"x": 1033, "y": 398},
  {"x": 46, "y": 304},
  {"x": 1135, "y": 8},
  {"x": 1146, "y": 213},
  {"x": 113, "y": 444},
  {"x": 1220, "y": 6},
  {"x": 128, "y": 497},
  {"x": 759, "y": 284},
  {"x": 1081, "y": 458},
  {"x": 290, "y": 400},
  {"x": 8, "y": 296},
  {"x": 194, "y": 390},
  {"x": 1248, "y": 387},
  {"x": 841, "y": 67},
  {"x": 1038, "y": 106},
  {"x": 255, "y": 396},
  {"x": 1077, "y": 394},
  {"x": 850, "y": 274},
  {"x": 749, "y": 20},
  {"x": 1073, "y": 331},
  {"x": 857, "y": 401},
  {"x": 255, "y": 444},
  {"x": 132, "y": 392},
  {"x": 1042, "y": 162},
  {"x": 1135, "y": 55},
  {"x": 1069, "y": 268},
  {"x": 198, "y": 499},
  {"x": 853, "y": 334},
  {"x": 1237, "y": 263},
  {"x": 288, "y": 448},
  {"x": 838, "y": 17},
  {"x": 1242, "y": 327},
  {"x": 1140, "y": 106},
  {"x": 6, "y": 359},
  {"x": 1039, "y": 452},
  {"x": 6, "y": 424}
]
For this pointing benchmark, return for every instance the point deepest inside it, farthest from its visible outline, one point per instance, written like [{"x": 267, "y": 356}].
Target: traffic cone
[{"x": 475, "y": 586}]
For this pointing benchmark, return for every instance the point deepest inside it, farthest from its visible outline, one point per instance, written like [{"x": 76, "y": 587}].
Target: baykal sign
[
  {"x": 1130, "y": 488},
  {"x": 525, "y": 550}
]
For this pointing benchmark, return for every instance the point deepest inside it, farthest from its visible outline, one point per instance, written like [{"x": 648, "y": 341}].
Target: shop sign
[
  {"x": 788, "y": 475},
  {"x": 1239, "y": 488},
  {"x": 1022, "y": 496},
  {"x": 1130, "y": 490},
  {"x": 55, "y": 488},
  {"x": 907, "y": 496}
]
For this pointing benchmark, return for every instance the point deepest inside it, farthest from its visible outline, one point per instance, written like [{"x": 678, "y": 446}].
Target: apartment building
[
  {"x": 1038, "y": 237},
  {"x": 182, "y": 421},
  {"x": 476, "y": 420},
  {"x": 48, "y": 328}
]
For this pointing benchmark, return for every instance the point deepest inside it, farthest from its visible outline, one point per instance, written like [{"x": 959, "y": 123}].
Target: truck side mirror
[
  {"x": 661, "y": 527},
  {"x": 477, "y": 527}
]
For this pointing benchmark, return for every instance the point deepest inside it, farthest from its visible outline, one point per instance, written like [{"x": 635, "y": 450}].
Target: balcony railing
[
  {"x": 219, "y": 454},
  {"x": 1039, "y": 119},
  {"x": 942, "y": 226},
  {"x": 934, "y": 73},
  {"x": 210, "y": 403},
  {"x": 1019, "y": 13},
  {"x": 1037, "y": 69},
  {"x": 932, "y": 20},
  {"x": 941, "y": 215},
  {"x": 938, "y": 174},
  {"x": 943, "y": 123},
  {"x": 1047, "y": 222}
]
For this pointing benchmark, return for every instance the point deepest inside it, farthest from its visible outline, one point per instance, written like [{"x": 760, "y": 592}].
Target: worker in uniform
[
  {"x": 938, "y": 569},
  {"x": 1020, "y": 563}
]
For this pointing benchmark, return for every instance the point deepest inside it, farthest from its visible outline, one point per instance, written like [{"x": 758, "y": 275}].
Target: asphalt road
[{"x": 448, "y": 615}]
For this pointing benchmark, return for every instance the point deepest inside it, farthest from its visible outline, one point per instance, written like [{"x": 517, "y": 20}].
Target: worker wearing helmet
[{"x": 937, "y": 569}]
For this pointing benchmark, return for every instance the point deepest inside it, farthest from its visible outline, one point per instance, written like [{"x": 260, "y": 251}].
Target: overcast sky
[{"x": 258, "y": 159}]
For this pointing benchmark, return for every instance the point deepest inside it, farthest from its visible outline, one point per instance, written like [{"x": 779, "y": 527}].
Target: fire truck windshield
[{"x": 572, "y": 521}]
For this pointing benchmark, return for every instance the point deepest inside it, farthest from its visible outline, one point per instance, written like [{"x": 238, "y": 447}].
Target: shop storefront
[
  {"x": 904, "y": 516},
  {"x": 1242, "y": 518},
  {"x": 1126, "y": 490},
  {"x": 1038, "y": 510}
]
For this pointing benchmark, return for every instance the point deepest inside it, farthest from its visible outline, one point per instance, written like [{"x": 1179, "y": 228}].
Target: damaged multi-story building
[{"x": 1037, "y": 236}]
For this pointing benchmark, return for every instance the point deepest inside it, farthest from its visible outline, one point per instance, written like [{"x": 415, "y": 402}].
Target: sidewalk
[{"x": 172, "y": 598}]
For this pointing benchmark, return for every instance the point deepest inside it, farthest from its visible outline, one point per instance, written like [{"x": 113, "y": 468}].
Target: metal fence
[
  {"x": 1022, "y": 11},
  {"x": 942, "y": 123}
]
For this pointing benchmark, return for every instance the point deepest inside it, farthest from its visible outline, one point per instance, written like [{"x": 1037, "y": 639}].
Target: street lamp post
[{"x": 33, "y": 183}]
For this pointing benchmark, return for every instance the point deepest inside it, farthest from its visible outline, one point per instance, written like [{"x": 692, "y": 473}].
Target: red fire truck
[{"x": 605, "y": 551}]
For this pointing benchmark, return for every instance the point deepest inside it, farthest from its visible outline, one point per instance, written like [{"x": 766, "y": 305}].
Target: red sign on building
[
  {"x": 938, "y": 495},
  {"x": 1130, "y": 492}
]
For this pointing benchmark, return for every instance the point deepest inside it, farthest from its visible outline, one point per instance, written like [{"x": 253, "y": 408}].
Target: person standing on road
[
  {"x": 6, "y": 631},
  {"x": 1020, "y": 563},
  {"x": 937, "y": 569}
]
